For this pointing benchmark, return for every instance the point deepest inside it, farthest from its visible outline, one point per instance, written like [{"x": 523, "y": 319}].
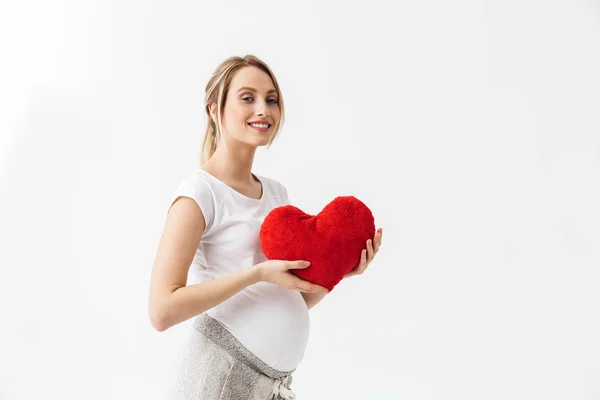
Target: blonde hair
[{"x": 216, "y": 92}]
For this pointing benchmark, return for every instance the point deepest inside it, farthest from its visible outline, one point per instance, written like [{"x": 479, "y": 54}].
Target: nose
[{"x": 262, "y": 108}]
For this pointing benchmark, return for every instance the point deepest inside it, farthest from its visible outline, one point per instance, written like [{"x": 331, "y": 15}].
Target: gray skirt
[{"x": 215, "y": 365}]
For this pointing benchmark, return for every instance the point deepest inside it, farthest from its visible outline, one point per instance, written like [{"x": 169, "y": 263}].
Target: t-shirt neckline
[{"x": 232, "y": 190}]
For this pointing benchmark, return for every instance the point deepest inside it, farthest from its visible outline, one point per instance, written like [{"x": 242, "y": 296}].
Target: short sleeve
[
  {"x": 200, "y": 191},
  {"x": 286, "y": 197}
]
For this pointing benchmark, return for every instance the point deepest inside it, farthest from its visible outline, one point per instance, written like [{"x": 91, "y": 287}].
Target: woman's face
[{"x": 251, "y": 98}]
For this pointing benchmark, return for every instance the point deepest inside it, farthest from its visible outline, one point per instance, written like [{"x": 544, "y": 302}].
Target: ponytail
[{"x": 216, "y": 93}]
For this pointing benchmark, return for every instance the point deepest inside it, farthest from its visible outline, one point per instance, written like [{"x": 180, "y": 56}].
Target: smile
[{"x": 260, "y": 127}]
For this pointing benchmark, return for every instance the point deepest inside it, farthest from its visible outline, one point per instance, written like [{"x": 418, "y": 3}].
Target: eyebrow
[{"x": 254, "y": 90}]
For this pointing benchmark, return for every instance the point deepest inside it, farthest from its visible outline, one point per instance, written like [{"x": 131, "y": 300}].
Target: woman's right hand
[{"x": 276, "y": 271}]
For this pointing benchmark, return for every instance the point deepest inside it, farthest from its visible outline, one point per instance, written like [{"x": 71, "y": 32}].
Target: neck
[{"x": 232, "y": 164}]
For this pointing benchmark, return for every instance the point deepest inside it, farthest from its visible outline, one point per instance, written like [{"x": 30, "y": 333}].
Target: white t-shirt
[{"x": 270, "y": 321}]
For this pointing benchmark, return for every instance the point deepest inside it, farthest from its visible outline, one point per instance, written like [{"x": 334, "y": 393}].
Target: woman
[{"x": 252, "y": 324}]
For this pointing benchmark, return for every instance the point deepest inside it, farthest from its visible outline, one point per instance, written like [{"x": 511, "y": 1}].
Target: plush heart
[{"x": 332, "y": 240}]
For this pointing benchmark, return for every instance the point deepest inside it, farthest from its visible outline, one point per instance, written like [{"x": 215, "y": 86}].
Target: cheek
[
  {"x": 235, "y": 117},
  {"x": 242, "y": 115}
]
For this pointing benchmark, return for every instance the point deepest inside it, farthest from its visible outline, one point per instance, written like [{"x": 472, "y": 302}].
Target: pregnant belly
[{"x": 270, "y": 321}]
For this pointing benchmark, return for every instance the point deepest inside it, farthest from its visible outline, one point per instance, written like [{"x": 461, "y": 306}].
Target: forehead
[{"x": 252, "y": 77}]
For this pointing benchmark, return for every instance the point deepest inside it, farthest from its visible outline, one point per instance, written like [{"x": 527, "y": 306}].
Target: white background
[{"x": 471, "y": 129}]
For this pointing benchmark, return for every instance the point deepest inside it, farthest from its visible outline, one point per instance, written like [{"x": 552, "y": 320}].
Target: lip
[
  {"x": 260, "y": 129},
  {"x": 260, "y": 122}
]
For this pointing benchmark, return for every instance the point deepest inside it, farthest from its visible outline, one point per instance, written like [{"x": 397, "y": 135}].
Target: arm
[
  {"x": 171, "y": 301},
  {"x": 312, "y": 299},
  {"x": 189, "y": 301}
]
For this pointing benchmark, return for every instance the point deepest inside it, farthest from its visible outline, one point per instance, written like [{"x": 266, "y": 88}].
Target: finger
[
  {"x": 302, "y": 286},
  {"x": 370, "y": 251},
  {"x": 305, "y": 286},
  {"x": 298, "y": 264},
  {"x": 377, "y": 241},
  {"x": 352, "y": 272},
  {"x": 359, "y": 267},
  {"x": 363, "y": 262},
  {"x": 320, "y": 288}
]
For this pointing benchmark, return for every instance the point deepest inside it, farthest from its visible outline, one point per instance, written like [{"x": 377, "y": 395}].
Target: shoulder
[
  {"x": 199, "y": 176},
  {"x": 196, "y": 182},
  {"x": 202, "y": 190},
  {"x": 203, "y": 179}
]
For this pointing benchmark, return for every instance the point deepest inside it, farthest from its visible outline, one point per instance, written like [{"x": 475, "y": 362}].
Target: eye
[{"x": 272, "y": 101}]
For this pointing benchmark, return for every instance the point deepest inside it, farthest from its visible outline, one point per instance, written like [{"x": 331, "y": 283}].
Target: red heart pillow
[{"x": 332, "y": 240}]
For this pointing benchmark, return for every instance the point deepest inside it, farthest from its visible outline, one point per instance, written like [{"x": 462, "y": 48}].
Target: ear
[{"x": 212, "y": 109}]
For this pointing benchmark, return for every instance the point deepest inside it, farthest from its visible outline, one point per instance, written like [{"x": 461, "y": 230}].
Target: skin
[
  {"x": 234, "y": 156},
  {"x": 366, "y": 257},
  {"x": 171, "y": 301},
  {"x": 233, "y": 159},
  {"x": 367, "y": 254}
]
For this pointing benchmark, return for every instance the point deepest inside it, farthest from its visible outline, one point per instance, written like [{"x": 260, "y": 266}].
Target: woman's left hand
[{"x": 367, "y": 254}]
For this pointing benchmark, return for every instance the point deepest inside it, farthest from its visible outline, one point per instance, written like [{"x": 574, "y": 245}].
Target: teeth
[{"x": 260, "y": 125}]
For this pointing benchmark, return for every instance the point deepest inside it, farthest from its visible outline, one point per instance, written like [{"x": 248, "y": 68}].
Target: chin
[
  {"x": 252, "y": 140},
  {"x": 263, "y": 143},
  {"x": 262, "y": 140}
]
